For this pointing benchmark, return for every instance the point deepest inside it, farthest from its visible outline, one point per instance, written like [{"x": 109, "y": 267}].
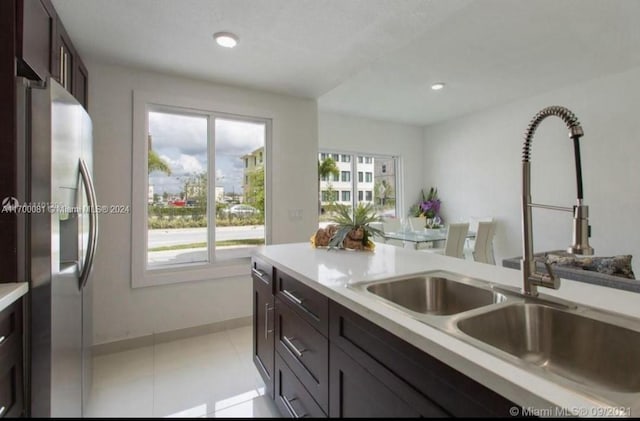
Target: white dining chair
[
  {"x": 473, "y": 227},
  {"x": 454, "y": 243},
  {"x": 483, "y": 248},
  {"x": 392, "y": 225},
  {"x": 417, "y": 223}
]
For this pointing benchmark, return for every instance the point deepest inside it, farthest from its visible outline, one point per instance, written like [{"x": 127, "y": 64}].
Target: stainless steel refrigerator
[{"x": 59, "y": 228}]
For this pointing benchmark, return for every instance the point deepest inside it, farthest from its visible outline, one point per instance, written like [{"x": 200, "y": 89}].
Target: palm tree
[
  {"x": 326, "y": 167},
  {"x": 158, "y": 164}
]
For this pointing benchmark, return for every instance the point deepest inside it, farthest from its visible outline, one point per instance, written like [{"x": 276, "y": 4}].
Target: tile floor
[{"x": 204, "y": 376}]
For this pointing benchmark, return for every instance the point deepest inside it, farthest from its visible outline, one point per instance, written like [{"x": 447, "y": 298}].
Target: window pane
[
  {"x": 177, "y": 204},
  {"x": 240, "y": 189},
  {"x": 384, "y": 186},
  {"x": 375, "y": 183}
]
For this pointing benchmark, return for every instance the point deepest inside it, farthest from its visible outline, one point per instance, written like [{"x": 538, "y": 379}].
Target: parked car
[{"x": 241, "y": 210}]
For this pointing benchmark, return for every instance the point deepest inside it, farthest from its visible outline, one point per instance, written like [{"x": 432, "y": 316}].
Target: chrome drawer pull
[
  {"x": 290, "y": 407},
  {"x": 292, "y": 347},
  {"x": 2, "y": 410},
  {"x": 260, "y": 274},
  {"x": 2, "y": 338},
  {"x": 292, "y": 297},
  {"x": 267, "y": 309}
]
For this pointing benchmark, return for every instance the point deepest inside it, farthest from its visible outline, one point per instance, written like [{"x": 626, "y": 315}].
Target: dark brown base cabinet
[
  {"x": 355, "y": 392},
  {"x": 11, "y": 361},
  {"x": 292, "y": 399},
  {"x": 328, "y": 361},
  {"x": 263, "y": 338}
]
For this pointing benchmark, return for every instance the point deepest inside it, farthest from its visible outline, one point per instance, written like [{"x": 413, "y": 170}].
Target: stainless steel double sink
[{"x": 590, "y": 350}]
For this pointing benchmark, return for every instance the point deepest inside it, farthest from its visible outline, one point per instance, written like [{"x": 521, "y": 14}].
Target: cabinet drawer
[
  {"x": 11, "y": 360},
  {"x": 11, "y": 324},
  {"x": 10, "y": 389},
  {"x": 305, "y": 351},
  {"x": 262, "y": 271},
  {"x": 292, "y": 399},
  {"x": 307, "y": 303},
  {"x": 454, "y": 392},
  {"x": 355, "y": 392}
]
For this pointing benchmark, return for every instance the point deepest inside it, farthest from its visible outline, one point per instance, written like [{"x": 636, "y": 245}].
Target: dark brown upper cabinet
[
  {"x": 45, "y": 49},
  {"x": 35, "y": 32}
]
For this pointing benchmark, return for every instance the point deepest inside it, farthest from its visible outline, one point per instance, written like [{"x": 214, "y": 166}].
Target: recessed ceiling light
[
  {"x": 226, "y": 39},
  {"x": 437, "y": 86}
]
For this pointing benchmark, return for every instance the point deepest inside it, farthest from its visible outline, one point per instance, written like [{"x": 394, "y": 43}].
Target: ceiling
[{"x": 373, "y": 58}]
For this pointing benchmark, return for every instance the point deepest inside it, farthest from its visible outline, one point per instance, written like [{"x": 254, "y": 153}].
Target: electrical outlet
[{"x": 295, "y": 214}]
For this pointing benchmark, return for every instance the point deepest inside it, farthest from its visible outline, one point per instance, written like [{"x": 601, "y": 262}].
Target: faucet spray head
[{"x": 581, "y": 231}]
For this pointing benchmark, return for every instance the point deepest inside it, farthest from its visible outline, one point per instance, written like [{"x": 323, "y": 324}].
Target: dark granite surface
[{"x": 574, "y": 274}]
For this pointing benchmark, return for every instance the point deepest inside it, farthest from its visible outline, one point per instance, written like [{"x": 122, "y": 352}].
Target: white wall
[
  {"x": 356, "y": 134},
  {"x": 121, "y": 312},
  {"x": 475, "y": 161}
]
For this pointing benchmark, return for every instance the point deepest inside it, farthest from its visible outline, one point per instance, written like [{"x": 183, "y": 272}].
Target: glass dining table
[{"x": 428, "y": 236}]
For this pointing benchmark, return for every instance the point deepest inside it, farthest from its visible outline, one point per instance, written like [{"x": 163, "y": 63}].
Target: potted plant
[
  {"x": 429, "y": 208},
  {"x": 351, "y": 229}
]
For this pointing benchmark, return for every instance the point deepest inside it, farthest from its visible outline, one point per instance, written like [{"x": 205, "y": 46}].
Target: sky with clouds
[{"x": 181, "y": 140}]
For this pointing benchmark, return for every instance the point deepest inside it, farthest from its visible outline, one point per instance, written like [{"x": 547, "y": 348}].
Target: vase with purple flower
[{"x": 430, "y": 209}]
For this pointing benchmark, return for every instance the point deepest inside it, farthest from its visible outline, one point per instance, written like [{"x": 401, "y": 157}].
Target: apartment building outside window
[{"x": 370, "y": 185}]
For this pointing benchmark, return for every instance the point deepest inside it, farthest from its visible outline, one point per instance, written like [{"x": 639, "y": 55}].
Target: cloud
[
  {"x": 186, "y": 165},
  {"x": 186, "y": 132},
  {"x": 237, "y": 138},
  {"x": 181, "y": 140}
]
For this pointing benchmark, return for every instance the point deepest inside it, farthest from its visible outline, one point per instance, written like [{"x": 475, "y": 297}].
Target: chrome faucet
[{"x": 581, "y": 229}]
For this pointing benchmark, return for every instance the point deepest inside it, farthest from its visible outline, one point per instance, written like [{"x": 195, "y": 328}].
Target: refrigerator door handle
[{"x": 93, "y": 223}]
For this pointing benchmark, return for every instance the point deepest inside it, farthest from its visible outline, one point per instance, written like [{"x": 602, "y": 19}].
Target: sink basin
[
  {"x": 588, "y": 351},
  {"x": 434, "y": 295}
]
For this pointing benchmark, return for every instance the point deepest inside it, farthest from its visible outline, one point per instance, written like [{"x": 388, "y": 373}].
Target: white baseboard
[{"x": 156, "y": 338}]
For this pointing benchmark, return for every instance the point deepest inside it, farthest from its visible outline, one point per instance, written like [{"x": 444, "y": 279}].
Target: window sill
[{"x": 193, "y": 272}]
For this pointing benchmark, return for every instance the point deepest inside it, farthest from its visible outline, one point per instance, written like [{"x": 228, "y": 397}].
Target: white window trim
[{"x": 235, "y": 263}]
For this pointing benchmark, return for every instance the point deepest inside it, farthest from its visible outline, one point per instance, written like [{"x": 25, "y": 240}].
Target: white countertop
[
  {"x": 329, "y": 272},
  {"x": 10, "y": 292}
]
